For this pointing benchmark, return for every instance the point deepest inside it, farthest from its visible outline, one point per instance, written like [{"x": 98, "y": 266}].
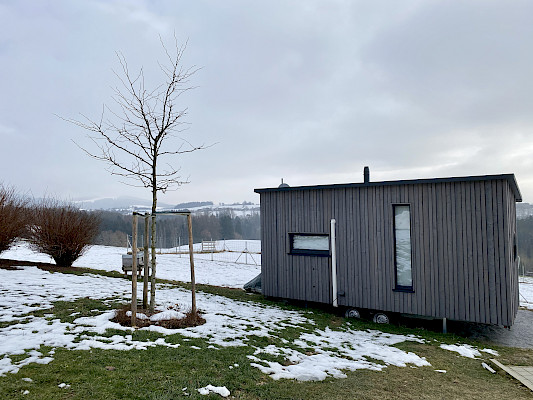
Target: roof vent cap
[{"x": 283, "y": 185}]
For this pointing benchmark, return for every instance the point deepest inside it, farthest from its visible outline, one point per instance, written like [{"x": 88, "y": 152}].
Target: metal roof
[{"x": 510, "y": 178}]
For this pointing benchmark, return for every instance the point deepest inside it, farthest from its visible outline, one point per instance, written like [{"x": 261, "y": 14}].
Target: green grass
[{"x": 162, "y": 372}]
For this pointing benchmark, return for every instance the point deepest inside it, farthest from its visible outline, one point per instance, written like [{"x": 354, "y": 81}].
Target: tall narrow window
[{"x": 402, "y": 251}]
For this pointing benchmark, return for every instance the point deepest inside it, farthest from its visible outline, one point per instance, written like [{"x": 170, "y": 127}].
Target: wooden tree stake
[
  {"x": 153, "y": 263},
  {"x": 146, "y": 261},
  {"x": 193, "y": 284},
  {"x": 134, "y": 273}
]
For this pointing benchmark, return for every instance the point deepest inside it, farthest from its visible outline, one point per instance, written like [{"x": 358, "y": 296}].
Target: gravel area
[{"x": 519, "y": 335}]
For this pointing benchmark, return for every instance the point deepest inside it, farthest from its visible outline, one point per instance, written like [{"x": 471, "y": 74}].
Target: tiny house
[{"x": 440, "y": 248}]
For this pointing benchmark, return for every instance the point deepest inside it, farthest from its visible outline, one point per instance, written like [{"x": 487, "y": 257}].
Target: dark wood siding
[{"x": 462, "y": 235}]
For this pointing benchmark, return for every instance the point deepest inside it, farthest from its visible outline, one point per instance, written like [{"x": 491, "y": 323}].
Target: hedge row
[{"x": 50, "y": 226}]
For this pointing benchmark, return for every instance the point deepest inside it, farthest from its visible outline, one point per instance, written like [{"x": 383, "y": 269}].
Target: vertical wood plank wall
[{"x": 462, "y": 236}]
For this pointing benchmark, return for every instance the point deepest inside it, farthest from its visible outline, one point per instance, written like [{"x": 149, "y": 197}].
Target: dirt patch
[
  {"x": 6, "y": 262},
  {"x": 9, "y": 268},
  {"x": 519, "y": 335},
  {"x": 190, "y": 319}
]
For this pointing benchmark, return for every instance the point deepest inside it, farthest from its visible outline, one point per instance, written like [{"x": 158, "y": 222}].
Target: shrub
[
  {"x": 14, "y": 217},
  {"x": 62, "y": 231}
]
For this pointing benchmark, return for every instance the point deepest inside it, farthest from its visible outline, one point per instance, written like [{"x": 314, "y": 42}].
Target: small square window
[{"x": 314, "y": 244}]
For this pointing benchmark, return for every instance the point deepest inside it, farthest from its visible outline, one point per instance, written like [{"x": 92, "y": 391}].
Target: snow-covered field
[
  {"x": 219, "y": 269},
  {"x": 314, "y": 355},
  {"x": 218, "y": 272},
  {"x": 526, "y": 292}
]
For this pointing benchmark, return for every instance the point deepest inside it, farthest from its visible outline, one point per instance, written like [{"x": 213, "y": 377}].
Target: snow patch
[
  {"x": 137, "y": 315},
  {"x": 168, "y": 314},
  {"x": 490, "y": 351},
  {"x": 328, "y": 353},
  {"x": 221, "y": 390},
  {"x": 169, "y": 266},
  {"x": 463, "y": 349}
]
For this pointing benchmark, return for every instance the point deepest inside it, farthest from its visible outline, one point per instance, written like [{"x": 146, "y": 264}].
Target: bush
[
  {"x": 14, "y": 217},
  {"x": 62, "y": 231}
]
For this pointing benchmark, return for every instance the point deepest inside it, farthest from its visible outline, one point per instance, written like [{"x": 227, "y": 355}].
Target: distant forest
[
  {"x": 173, "y": 229},
  {"x": 524, "y": 233}
]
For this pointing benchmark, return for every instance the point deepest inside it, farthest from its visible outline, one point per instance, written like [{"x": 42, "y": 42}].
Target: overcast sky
[{"x": 308, "y": 91}]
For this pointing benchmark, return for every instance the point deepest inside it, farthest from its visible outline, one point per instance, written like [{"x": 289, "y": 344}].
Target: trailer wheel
[
  {"x": 381, "y": 318},
  {"x": 352, "y": 313}
]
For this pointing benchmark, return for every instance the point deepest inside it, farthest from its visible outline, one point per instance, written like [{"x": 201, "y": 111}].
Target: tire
[
  {"x": 352, "y": 313},
  {"x": 381, "y": 318}
]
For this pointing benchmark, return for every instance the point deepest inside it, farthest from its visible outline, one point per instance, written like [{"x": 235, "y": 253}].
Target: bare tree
[{"x": 135, "y": 136}]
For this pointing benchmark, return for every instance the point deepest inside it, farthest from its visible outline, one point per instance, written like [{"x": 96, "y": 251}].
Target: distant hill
[
  {"x": 116, "y": 203},
  {"x": 193, "y": 204},
  {"x": 126, "y": 204}
]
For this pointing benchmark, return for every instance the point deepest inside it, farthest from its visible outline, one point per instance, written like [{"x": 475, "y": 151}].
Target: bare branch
[{"x": 135, "y": 133}]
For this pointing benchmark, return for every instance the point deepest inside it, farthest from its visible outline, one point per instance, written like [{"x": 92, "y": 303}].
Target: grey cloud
[{"x": 307, "y": 91}]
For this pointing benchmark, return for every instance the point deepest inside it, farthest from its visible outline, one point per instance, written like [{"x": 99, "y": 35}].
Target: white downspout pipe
[{"x": 333, "y": 264}]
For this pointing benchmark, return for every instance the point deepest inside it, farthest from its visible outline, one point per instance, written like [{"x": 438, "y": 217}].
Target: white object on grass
[{"x": 488, "y": 368}]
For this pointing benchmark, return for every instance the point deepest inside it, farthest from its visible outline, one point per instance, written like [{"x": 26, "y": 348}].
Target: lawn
[{"x": 57, "y": 342}]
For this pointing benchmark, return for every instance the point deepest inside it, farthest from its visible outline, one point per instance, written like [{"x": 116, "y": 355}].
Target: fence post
[{"x": 134, "y": 273}]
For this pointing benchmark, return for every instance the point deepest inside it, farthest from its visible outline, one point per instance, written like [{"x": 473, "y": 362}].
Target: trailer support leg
[{"x": 444, "y": 327}]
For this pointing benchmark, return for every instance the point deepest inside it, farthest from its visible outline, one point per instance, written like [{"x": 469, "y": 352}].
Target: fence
[
  {"x": 231, "y": 251},
  {"x": 525, "y": 279}
]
